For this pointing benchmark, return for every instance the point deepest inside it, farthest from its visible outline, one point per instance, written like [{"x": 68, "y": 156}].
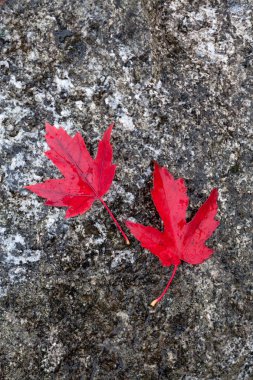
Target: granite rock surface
[{"x": 176, "y": 77}]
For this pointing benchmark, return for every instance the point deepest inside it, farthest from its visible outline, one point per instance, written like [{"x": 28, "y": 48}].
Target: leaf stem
[
  {"x": 153, "y": 303},
  {"x": 115, "y": 221}
]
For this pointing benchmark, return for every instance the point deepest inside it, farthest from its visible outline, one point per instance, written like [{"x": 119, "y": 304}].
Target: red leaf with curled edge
[
  {"x": 85, "y": 179},
  {"x": 179, "y": 241}
]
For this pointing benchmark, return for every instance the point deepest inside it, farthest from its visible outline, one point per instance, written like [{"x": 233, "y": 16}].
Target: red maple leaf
[
  {"x": 179, "y": 241},
  {"x": 85, "y": 179}
]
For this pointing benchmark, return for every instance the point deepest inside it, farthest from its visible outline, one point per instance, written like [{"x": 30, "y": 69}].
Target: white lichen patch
[
  {"x": 16, "y": 83},
  {"x": 17, "y": 161},
  {"x": 5, "y": 64},
  {"x": 121, "y": 256},
  {"x": 11, "y": 242},
  {"x": 101, "y": 228},
  {"x": 205, "y": 38},
  {"x": 241, "y": 19},
  {"x": 52, "y": 219},
  {"x": 207, "y": 45},
  {"x": 127, "y": 122},
  {"x": 89, "y": 91},
  {"x": 125, "y": 53},
  {"x": 99, "y": 239},
  {"x": 16, "y": 274},
  {"x": 123, "y": 316},
  {"x": 79, "y": 105},
  {"x": 63, "y": 82},
  {"x": 155, "y": 153},
  {"x": 15, "y": 256},
  {"x": 114, "y": 100},
  {"x": 117, "y": 190},
  {"x": 14, "y": 252}
]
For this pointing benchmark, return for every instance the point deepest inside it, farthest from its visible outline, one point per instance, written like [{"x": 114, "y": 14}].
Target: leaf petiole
[
  {"x": 153, "y": 303},
  {"x": 115, "y": 221}
]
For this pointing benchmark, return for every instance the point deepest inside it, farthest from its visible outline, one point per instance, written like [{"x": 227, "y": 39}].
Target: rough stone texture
[{"x": 176, "y": 76}]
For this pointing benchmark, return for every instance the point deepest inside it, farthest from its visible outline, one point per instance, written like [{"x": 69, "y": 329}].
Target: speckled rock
[{"x": 176, "y": 76}]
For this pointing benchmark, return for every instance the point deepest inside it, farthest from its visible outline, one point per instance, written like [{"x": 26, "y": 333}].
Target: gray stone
[{"x": 176, "y": 76}]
